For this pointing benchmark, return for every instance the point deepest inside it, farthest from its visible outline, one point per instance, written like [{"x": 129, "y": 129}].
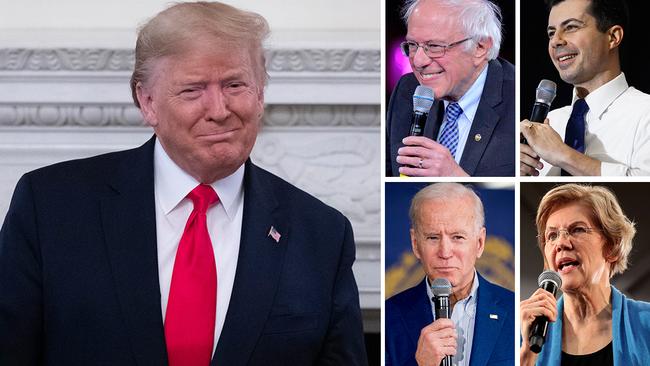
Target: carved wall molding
[
  {"x": 66, "y": 59},
  {"x": 98, "y": 59},
  {"x": 129, "y": 116},
  {"x": 322, "y": 115},
  {"x": 65, "y": 115},
  {"x": 324, "y": 60}
]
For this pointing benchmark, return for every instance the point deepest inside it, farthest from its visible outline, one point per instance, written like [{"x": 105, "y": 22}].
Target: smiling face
[
  {"x": 447, "y": 240},
  {"x": 578, "y": 258},
  {"x": 451, "y": 75},
  {"x": 205, "y": 106},
  {"x": 583, "y": 55}
]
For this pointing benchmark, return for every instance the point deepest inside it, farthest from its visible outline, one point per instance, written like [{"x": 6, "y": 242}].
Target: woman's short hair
[
  {"x": 170, "y": 32},
  {"x": 606, "y": 214}
]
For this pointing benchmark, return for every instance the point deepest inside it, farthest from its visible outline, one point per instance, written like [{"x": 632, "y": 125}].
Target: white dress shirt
[
  {"x": 171, "y": 186},
  {"x": 617, "y": 129},
  {"x": 469, "y": 104},
  {"x": 464, "y": 317}
]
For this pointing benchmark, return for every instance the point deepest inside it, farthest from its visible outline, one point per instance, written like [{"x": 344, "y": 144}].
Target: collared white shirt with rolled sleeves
[
  {"x": 171, "y": 185},
  {"x": 464, "y": 317},
  {"x": 617, "y": 129}
]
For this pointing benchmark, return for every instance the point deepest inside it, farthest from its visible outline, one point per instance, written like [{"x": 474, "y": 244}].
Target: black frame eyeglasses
[{"x": 432, "y": 50}]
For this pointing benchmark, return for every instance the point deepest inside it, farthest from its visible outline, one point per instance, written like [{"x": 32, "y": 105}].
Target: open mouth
[
  {"x": 430, "y": 75},
  {"x": 567, "y": 264},
  {"x": 564, "y": 58}
]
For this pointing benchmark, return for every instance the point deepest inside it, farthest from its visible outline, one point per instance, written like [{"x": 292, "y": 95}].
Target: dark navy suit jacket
[
  {"x": 493, "y": 343},
  {"x": 79, "y": 275},
  {"x": 493, "y": 154}
]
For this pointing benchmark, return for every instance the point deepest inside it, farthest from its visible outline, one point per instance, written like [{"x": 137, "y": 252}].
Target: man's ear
[
  {"x": 481, "y": 242},
  {"x": 146, "y": 104},
  {"x": 414, "y": 243},
  {"x": 615, "y": 34},
  {"x": 260, "y": 101},
  {"x": 483, "y": 46}
]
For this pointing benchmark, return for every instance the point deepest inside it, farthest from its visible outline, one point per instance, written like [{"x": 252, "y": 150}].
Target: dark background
[
  {"x": 536, "y": 63},
  {"x": 396, "y": 31},
  {"x": 633, "y": 198}
]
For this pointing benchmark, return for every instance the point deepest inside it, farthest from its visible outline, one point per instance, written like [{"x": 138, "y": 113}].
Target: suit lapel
[
  {"x": 485, "y": 119},
  {"x": 434, "y": 120},
  {"x": 419, "y": 314},
  {"x": 130, "y": 233},
  {"x": 485, "y": 326},
  {"x": 258, "y": 270}
]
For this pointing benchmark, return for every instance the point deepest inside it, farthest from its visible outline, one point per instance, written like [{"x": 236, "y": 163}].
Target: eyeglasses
[
  {"x": 409, "y": 48},
  {"x": 577, "y": 232}
]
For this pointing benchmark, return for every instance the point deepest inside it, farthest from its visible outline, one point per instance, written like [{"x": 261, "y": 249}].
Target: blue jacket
[
  {"x": 630, "y": 328},
  {"x": 493, "y": 154},
  {"x": 410, "y": 311}
]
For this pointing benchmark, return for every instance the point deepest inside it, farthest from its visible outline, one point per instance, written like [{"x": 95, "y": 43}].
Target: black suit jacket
[
  {"x": 79, "y": 275},
  {"x": 494, "y": 154}
]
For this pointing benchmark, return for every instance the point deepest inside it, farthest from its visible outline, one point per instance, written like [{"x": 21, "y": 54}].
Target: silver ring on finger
[{"x": 420, "y": 164}]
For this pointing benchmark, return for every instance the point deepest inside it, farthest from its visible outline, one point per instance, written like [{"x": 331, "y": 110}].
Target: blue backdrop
[{"x": 496, "y": 264}]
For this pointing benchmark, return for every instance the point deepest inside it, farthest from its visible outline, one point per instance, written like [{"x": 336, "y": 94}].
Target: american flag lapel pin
[{"x": 274, "y": 234}]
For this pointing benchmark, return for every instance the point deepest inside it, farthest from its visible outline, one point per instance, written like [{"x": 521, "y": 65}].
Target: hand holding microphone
[
  {"x": 421, "y": 156},
  {"x": 536, "y": 312},
  {"x": 544, "y": 95},
  {"x": 438, "y": 340}
]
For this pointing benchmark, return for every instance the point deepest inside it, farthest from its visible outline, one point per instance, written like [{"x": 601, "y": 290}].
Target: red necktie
[{"x": 191, "y": 308}]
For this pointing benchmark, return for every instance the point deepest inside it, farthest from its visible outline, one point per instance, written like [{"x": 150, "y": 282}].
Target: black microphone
[
  {"x": 422, "y": 102},
  {"x": 544, "y": 96},
  {"x": 441, "y": 289},
  {"x": 549, "y": 281}
]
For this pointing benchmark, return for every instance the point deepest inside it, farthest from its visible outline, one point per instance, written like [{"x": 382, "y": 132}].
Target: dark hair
[{"x": 607, "y": 13}]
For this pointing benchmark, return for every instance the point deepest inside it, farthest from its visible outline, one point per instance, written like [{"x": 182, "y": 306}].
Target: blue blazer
[
  {"x": 410, "y": 311},
  {"x": 494, "y": 154},
  {"x": 79, "y": 274},
  {"x": 630, "y": 333}
]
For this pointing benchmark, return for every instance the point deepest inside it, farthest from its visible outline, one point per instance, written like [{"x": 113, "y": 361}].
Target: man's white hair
[{"x": 479, "y": 19}]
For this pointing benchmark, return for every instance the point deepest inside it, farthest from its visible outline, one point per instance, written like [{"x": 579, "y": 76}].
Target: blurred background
[
  {"x": 632, "y": 198},
  {"x": 403, "y": 269}
]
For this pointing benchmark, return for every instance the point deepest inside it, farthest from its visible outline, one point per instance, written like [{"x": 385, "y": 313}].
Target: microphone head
[
  {"x": 441, "y": 287},
  {"x": 549, "y": 276},
  {"x": 546, "y": 91},
  {"x": 422, "y": 99}
]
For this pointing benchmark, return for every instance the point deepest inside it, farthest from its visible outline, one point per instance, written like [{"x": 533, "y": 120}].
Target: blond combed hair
[
  {"x": 606, "y": 213},
  {"x": 178, "y": 27}
]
